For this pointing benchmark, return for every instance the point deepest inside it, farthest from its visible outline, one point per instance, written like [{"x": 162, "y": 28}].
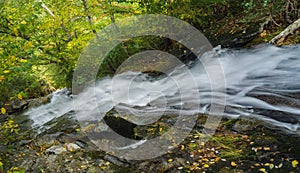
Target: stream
[{"x": 262, "y": 83}]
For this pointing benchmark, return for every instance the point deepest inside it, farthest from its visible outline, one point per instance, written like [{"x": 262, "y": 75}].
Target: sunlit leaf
[
  {"x": 3, "y": 111},
  {"x": 295, "y": 163},
  {"x": 20, "y": 97},
  {"x": 263, "y": 170},
  {"x": 16, "y": 32},
  {"x": 233, "y": 164}
]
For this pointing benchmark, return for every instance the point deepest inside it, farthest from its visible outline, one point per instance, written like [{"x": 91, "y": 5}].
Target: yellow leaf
[
  {"x": 295, "y": 163},
  {"x": 233, "y": 164},
  {"x": 13, "y": 58},
  {"x": 6, "y": 71},
  {"x": 170, "y": 160},
  {"x": 16, "y": 32},
  {"x": 3, "y": 111},
  {"x": 2, "y": 78},
  {"x": 23, "y": 60},
  {"x": 23, "y": 22},
  {"x": 20, "y": 97},
  {"x": 1, "y": 164},
  {"x": 206, "y": 166},
  {"x": 29, "y": 44},
  {"x": 263, "y": 170}
]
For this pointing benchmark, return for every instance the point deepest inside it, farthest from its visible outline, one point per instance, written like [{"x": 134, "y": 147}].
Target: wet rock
[
  {"x": 59, "y": 149},
  {"x": 116, "y": 161},
  {"x": 17, "y": 106},
  {"x": 24, "y": 142},
  {"x": 244, "y": 126},
  {"x": 72, "y": 146},
  {"x": 47, "y": 140},
  {"x": 38, "y": 101},
  {"x": 121, "y": 126},
  {"x": 51, "y": 161},
  {"x": 81, "y": 144},
  {"x": 94, "y": 169},
  {"x": 56, "y": 150},
  {"x": 66, "y": 124}
]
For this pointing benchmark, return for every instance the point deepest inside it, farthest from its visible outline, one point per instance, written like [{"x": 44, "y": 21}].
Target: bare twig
[{"x": 89, "y": 17}]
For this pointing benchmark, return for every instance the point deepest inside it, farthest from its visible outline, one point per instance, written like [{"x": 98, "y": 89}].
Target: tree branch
[
  {"x": 286, "y": 32},
  {"x": 46, "y": 8},
  {"x": 89, "y": 17}
]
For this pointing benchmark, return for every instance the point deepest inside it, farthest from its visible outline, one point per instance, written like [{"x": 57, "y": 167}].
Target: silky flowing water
[{"x": 261, "y": 83}]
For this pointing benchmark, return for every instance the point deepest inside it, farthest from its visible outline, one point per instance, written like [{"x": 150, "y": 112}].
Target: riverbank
[{"x": 239, "y": 145}]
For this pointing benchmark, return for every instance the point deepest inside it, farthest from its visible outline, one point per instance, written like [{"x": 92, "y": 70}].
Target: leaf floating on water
[
  {"x": 271, "y": 166},
  {"x": 295, "y": 163}
]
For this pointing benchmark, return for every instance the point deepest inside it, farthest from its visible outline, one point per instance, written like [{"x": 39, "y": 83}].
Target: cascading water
[{"x": 261, "y": 83}]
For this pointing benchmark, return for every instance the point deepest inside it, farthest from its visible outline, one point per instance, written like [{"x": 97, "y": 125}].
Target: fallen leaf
[
  {"x": 263, "y": 170},
  {"x": 233, "y": 164},
  {"x": 3, "y": 111},
  {"x": 206, "y": 166},
  {"x": 295, "y": 163}
]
